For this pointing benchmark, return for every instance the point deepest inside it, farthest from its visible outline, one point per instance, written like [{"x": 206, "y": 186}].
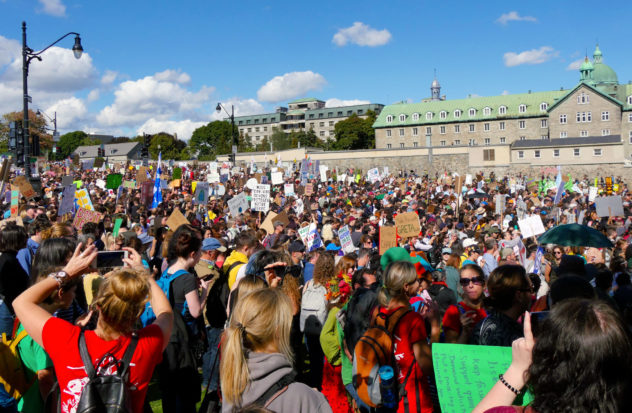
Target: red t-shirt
[
  {"x": 452, "y": 316},
  {"x": 61, "y": 342},
  {"x": 410, "y": 330}
]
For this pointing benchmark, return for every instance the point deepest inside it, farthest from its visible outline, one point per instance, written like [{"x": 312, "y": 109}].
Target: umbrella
[{"x": 575, "y": 235}]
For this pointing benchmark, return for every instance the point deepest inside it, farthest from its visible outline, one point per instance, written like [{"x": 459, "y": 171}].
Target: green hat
[
  {"x": 379, "y": 197},
  {"x": 395, "y": 254}
]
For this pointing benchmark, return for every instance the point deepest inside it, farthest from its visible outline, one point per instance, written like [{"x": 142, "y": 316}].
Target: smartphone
[{"x": 110, "y": 259}]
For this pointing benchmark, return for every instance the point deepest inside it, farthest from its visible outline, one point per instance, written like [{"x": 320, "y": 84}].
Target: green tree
[
  {"x": 90, "y": 141},
  {"x": 355, "y": 133},
  {"x": 212, "y": 139},
  {"x": 37, "y": 126},
  {"x": 280, "y": 140},
  {"x": 70, "y": 141},
  {"x": 120, "y": 139},
  {"x": 169, "y": 145}
]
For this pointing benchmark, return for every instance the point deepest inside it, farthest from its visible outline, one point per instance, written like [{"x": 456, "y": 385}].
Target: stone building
[{"x": 588, "y": 124}]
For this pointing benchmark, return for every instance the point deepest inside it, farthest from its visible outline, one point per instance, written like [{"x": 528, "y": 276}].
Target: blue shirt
[
  {"x": 25, "y": 255},
  {"x": 308, "y": 272}
]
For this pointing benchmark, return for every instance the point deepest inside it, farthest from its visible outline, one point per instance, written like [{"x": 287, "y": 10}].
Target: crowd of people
[{"x": 251, "y": 312}]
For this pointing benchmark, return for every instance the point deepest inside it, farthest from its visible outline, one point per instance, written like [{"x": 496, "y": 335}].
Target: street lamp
[
  {"x": 27, "y": 55},
  {"x": 233, "y": 156}
]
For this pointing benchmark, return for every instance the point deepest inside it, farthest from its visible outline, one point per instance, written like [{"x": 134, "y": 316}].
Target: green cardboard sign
[
  {"x": 117, "y": 226},
  {"x": 113, "y": 181},
  {"x": 177, "y": 173},
  {"x": 466, "y": 373}
]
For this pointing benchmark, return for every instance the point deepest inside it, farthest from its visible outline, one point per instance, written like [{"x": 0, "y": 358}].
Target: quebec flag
[{"x": 157, "y": 192}]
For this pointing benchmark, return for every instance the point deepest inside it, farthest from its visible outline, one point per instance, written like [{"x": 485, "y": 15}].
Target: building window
[
  {"x": 563, "y": 134},
  {"x": 457, "y": 141},
  {"x": 487, "y": 111},
  {"x": 265, "y": 128},
  {"x": 389, "y": 119},
  {"x": 415, "y": 144},
  {"x": 583, "y": 133},
  {"x": 522, "y": 124},
  {"x": 428, "y": 115},
  {"x": 597, "y": 152},
  {"x": 582, "y": 98},
  {"x": 486, "y": 127},
  {"x": 401, "y": 132},
  {"x": 630, "y": 137},
  {"x": 402, "y": 118},
  {"x": 584, "y": 117},
  {"x": 630, "y": 117},
  {"x": 321, "y": 124},
  {"x": 522, "y": 108},
  {"x": 487, "y": 141},
  {"x": 311, "y": 116},
  {"x": 360, "y": 111},
  {"x": 457, "y": 113},
  {"x": 520, "y": 154},
  {"x": 630, "y": 100},
  {"x": 556, "y": 153},
  {"x": 249, "y": 130},
  {"x": 442, "y": 130},
  {"x": 522, "y": 138},
  {"x": 605, "y": 115},
  {"x": 401, "y": 145},
  {"x": 544, "y": 106},
  {"x": 330, "y": 114},
  {"x": 503, "y": 140},
  {"x": 502, "y": 110},
  {"x": 349, "y": 112},
  {"x": 322, "y": 115},
  {"x": 501, "y": 126},
  {"x": 544, "y": 137},
  {"x": 472, "y": 112},
  {"x": 605, "y": 132},
  {"x": 563, "y": 118},
  {"x": 331, "y": 123},
  {"x": 389, "y": 146},
  {"x": 443, "y": 114},
  {"x": 576, "y": 152},
  {"x": 428, "y": 130},
  {"x": 472, "y": 127},
  {"x": 388, "y": 133},
  {"x": 443, "y": 143},
  {"x": 544, "y": 123},
  {"x": 457, "y": 128},
  {"x": 248, "y": 122},
  {"x": 489, "y": 154},
  {"x": 471, "y": 142},
  {"x": 322, "y": 133},
  {"x": 415, "y": 116},
  {"x": 415, "y": 131},
  {"x": 536, "y": 153},
  {"x": 257, "y": 129}
]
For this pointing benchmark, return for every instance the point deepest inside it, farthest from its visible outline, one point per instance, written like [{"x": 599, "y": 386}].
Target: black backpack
[
  {"x": 217, "y": 300},
  {"x": 358, "y": 315},
  {"x": 107, "y": 393}
]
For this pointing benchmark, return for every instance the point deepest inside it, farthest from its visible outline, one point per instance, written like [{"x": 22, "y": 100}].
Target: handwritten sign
[
  {"x": 407, "y": 224},
  {"x": 276, "y": 178},
  {"x": 141, "y": 176},
  {"x": 373, "y": 175},
  {"x": 309, "y": 189},
  {"x": 83, "y": 216},
  {"x": 238, "y": 204},
  {"x": 267, "y": 224},
  {"x": 24, "y": 186},
  {"x": 531, "y": 226},
  {"x": 67, "y": 204},
  {"x": 289, "y": 189},
  {"x": 261, "y": 198},
  {"x": 388, "y": 238},
  {"x": 15, "y": 196},
  {"x": 609, "y": 206},
  {"x": 176, "y": 219},
  {"x": 345, "y": 240},
  {"x": 83, "y": 199}
]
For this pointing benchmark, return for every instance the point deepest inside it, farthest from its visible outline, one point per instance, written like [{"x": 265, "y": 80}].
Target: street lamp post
[
  {"x": 54, "y": 120},
  {"x": 232, "y": 130},
  {"x": 27, "y": 55}
]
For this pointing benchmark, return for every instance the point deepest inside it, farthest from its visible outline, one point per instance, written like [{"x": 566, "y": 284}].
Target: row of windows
[
  {"x": 331, "y": 114},
  {"x": 255, "y": 121},
  {"x": 537, "y": 153},
  {"x": 487, "y": 111}
]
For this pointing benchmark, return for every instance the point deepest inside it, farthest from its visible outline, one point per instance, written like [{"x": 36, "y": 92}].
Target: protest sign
[
  {"x": 289, "y": 189},
  {"x": 87, "y": 164},
  {"x": 580, "y": 218},
  {"x": 100, "y": 183},
  {"x": 201, "y": 193},
  {"x": 388, "y": 238},
  {"x": 84, "y": 215},
  {"x": 66, "y": 180},
  {"x": 609, "y": 206},
  {"x": 276, "y": 178},
  {"x": 177, "y": 173},
  {"x": 264, "y": 179},
  {"x": 473, "y": 370},
  {"x": 67, "y": 204},
  {"x": 15, "y": 197},
  {"x": 303, "y": 232},
  {"x": 373, "y": 175},
  {"x": 500, "y": 204},
  {"x": 24, "y": 186},
  {"x": 313, "y": 238},
  {"x": 251, "y": 183},
  {"x": 238, "y": 204},
  {"x": 299, "y": 208},
  {"x": 83, "y": 199},
  {"x": 309, "y": 189},
  {"x": 113, "y": 181},
  {"x": 117, "y": 226},
  {"x": 531, "y": 226},
  {"x": 323, "y": 173},
  {"x": 407, "y": 224},
  {"x": 176, "y": 219},
  {"x": 261, "y": 198},
  {"x": 147, "y": 193},
  {"x": 345, "y": 240},
  {"x": 592, "y": 193},
  {"x": 268, "y": 223},
  {"x": 283, "y": 218},
  {"x": 468, "y": 179},
  {"x": 98, "y": 162},
  {"x": 129, "y": 184},
  {"x": 141, "y": 176},
  {"x": 212, "y": 177},
  {"x": 174, "y": 184}
]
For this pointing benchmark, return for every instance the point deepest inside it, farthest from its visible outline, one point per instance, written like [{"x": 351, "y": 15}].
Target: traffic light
[
  {"x": 144, "y": 152},
  {"x": 35, "y": 147},
  {"x": 14, "y": 130}
]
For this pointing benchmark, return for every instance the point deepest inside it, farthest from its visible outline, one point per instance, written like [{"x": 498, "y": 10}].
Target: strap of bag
[
  {"x": 16, "y": 340},
  {"x": 283, "y": 382},
  {"x": 232, "y": 266},
  {"x": 129, "y": 353},
  {"x": 389, "y": 322},
  {"x": 87, "y": 362}
]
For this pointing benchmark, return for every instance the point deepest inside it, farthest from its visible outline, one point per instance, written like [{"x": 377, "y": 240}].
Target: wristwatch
[{"x": 61, "y": 277}]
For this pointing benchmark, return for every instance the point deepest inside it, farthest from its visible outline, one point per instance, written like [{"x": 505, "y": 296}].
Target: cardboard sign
[
  {"x": 117, "y": 226},
  {"x": 276, "y": 178},
  {"x": 174, "y": 184},
  {"x": 98, "y": 162},
  {"x": 84, "y": 215},
  {"x": 289, "y": 189},
  {"x": 531, "y": 226},
  {"x": 67, "y": 204},
  {"x": 267, "y": 224},
  {"x": 24, "y": 186},
  {"x": 407, "y": 224},
  {"x": 176, "y": 219},
  {"x": 15, "y": 198},
  {"x": 261, "y": 198},
  {"x": 113, "y": 181},
  {"x": 609, "y": 206},
  {"x": 473, "y": 370},
  {"x": 388, "y": 238},
  {"x": 141, "y": 176},
  {"x": 309, "y": 189},
  {"x": 83, "y": 199},
  {"x": 238, "y": 204},
  {"x": 177, "y": 173},
  {"x": 283, "y": 218},
  {"x": 345, "y": 240}
]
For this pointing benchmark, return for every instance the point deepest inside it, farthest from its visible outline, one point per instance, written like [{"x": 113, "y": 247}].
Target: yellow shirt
[{"x": 234, "y": 256}]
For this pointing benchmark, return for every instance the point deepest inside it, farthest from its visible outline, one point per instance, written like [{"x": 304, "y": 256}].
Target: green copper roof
[
  {"x": 296, "y": 112},
  {"x": 603, "y": 73},
  {"x": 587, "y": 65},
  {"x": 590, "y": 86},
  {"x": 305, "y": 100},
  {"x": 510, "y": 102}
]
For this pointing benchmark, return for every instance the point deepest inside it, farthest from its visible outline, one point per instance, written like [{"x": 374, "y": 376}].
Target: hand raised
[{"x": 80, "y": 260}]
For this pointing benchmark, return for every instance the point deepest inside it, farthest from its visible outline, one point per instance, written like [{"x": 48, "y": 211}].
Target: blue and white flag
[
  {"x": 157, "y": 191},
  {"x": 538, "y": 260}
]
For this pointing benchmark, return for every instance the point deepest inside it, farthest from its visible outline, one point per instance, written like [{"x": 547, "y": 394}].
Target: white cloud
[
  {"x": 53, "y": 7},
  {"x": 333, "y": 102},
  {"x": 530, "y": 57},
  {"x": 184, "y": 128},
  {"x": 150, "y": 97},
  {"x": 362, "y": 35},
  {"x": 9, "y": 50},
  {"x": 242, "y": 108},
  {"x": 109, "y": 77},
  {"x": 515, "y": 17},
  {"x": 69, "y": 112},
  {"x": 575, "y": 65},
  {"x": 290, "y": 85},
  {"x": 505, "y": 92},
  {"x": 174, "y": 76},
  {"x": 93, "y": 95}
]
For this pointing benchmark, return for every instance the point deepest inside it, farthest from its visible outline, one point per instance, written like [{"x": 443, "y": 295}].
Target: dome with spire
[
  {"x": 435, "y": 83},
  {"x": 587, "y": 65},
  {"x": 602, "y": 73}
]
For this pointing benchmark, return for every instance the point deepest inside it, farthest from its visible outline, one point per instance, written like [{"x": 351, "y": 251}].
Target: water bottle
[{"x": 387, "y": 387}]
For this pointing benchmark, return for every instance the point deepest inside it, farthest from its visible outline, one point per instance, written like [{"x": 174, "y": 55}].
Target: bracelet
[{"x": 509, "y": 386}]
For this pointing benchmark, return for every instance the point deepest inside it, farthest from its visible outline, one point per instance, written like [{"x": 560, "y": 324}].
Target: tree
[
  {"x": 37, "y": 126},
  {"x": 280, "y": 140},
  {"x": 355, "y": 133},
  {"x": 212, "y": 139},
  {"x": 90, "y": 141},
  {"x": 170, "y": 146},
  {"x": 121, "y": 139},
  {"x": 70, "y": 141}
]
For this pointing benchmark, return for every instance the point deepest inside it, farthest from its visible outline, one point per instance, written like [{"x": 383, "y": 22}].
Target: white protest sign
[
  {"x": 300, "y": 207},
  {"x": 592, "y": 193},
  {"x": 303, "y": 232},
  {"x": 261, "y": 198},
  {"x": 385, "y": 171},
  {"x": 468, "y": 179},
  {"x": 345, "y": 240},
  {"x": 531, "y": 226},
  {"x": 500, "y": 203},
  {"x": 609, "y": 206},
  {"x": 277, "y": 178},
  {"x": 224, "y": 171},
  {"x": 373, "y": 175},
  {"x": 212, "y": 166},
  {"x": 323, "y": 173},
  {"x": 212, "y": 177},
  {"x": 341, "y": 178},
  {"x": 288, "y": 189},
  {"x": 251, "y": 183},
  {"x": 100, "y": 183}
]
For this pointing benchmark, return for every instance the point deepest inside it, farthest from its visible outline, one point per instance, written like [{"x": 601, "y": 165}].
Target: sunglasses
[
  {"x": 558, "y": 252},
  {"x": 476, "y": 280}
]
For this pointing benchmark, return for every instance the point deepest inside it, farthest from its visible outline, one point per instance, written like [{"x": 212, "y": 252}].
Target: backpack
[
  {"x": 106, "y": 393},
  {"x": 361, "y": 303},
  {"x": 164, "y": 282},
  {"x": 13, "y": 374},
  {"x": 313, "y": 308},
  {"x": 217, "y": 298},
  {"x": 376, "y": 348}
]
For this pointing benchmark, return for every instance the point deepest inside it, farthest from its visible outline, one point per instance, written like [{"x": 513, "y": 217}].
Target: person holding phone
[{"x": 460, "y": 319}]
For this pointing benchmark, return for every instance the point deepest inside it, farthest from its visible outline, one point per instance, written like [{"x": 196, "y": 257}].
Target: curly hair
[
  {"x": 582, "y": 360},
  {"x": 323, "y": 269}
]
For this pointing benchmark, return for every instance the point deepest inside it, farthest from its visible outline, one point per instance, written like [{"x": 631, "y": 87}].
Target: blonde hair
[
  {"x": 58, "y": 230},
  {"x": 122, "y": 297},
  {"x": 261, "y": 318},
  {"x": 398, "y": 274}
]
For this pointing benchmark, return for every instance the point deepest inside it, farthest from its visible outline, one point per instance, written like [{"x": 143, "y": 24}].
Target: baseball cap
[
  {"x": 446, "y": 251},
  {"x": 210, "y": 244},
  {"x": 469, "y": 242},
  {"x": 296, "y": 246}
]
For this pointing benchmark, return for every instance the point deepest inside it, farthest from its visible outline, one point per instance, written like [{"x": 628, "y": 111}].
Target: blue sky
[{"x": 153, "y": 66}]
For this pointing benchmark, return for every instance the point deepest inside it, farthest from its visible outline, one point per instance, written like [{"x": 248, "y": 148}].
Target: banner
[{"x": 84, "y": 215}]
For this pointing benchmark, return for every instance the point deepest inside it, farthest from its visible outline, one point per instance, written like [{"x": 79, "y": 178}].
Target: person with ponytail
[
  {"x": 412, "y": 349},
  {"x": 256, "y": 358},
  {"x": 119, "y": 303}
]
